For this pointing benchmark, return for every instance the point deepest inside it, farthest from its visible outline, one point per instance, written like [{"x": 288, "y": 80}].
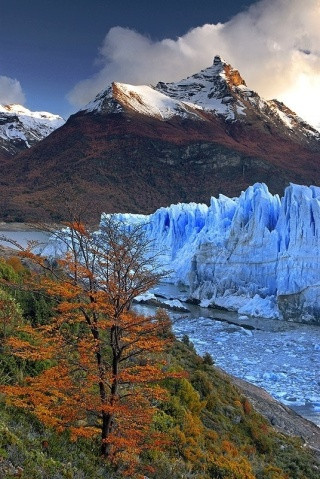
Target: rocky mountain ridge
[{"x": 219, "y": 90}]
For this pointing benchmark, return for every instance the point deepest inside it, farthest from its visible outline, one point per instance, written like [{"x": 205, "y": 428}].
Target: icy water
[
  {"x": 22, "y": 237},
  {"x": 281, "y": 357}
]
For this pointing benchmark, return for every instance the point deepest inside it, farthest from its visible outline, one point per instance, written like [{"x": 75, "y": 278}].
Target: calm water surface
[{"x": 23, "y": 237}]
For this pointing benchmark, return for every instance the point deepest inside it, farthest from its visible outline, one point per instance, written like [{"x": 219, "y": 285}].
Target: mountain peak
[
  {"x": 137, "y": 147},
  {"x": 203, "y": 90},
  {"x": 218, "y": 88},
  {"x": 217, "y": 60},
  {"x": 13, "y": 108},
  {"x": 223, "y": 71}
]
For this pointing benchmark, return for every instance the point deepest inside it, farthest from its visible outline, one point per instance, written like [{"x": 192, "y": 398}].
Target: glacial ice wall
[{"x": 257, "y": 254}]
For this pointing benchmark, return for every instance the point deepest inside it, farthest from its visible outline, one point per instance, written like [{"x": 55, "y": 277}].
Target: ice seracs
[{"x": 257, "y": 254}]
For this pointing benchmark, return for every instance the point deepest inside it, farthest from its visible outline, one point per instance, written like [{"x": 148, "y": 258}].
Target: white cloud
[
  {"x": 10, "y": 91},
  {"x": 275, "y": 44}
]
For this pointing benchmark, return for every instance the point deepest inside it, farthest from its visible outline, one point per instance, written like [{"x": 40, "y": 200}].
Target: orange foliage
[
  {"x": 246, "y": 406},
  {"x": 16, "y": 264},
  {"x": 106, "y": 361}
]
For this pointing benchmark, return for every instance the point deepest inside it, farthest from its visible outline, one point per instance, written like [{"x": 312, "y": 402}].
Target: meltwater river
[{"x": 281, "y": 357}]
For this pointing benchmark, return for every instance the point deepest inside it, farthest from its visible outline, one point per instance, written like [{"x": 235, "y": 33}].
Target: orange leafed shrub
[{"x": 15, "y": 263}]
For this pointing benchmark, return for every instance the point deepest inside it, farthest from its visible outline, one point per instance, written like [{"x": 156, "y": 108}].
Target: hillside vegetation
[{"x": 212, "y": 430}]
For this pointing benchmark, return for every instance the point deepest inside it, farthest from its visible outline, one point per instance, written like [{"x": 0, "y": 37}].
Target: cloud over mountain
[
  {"x": 10, "y": 91},
  {"x": 274, "y": 43}
]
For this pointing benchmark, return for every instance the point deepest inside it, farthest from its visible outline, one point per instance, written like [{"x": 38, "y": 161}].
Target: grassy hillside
[
  {"x": 212, "y": 430},
  {"x": 214, "y": 433}
]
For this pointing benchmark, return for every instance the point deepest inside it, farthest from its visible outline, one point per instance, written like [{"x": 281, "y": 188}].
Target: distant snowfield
[{"x": 20, "y": 124}]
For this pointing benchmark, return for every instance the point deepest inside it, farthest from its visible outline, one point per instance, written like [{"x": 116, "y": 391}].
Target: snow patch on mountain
[
  {"x": 149, "y": 101},
  {"x": 142, "y": 99},
  {"x": 256, "y": 254}
]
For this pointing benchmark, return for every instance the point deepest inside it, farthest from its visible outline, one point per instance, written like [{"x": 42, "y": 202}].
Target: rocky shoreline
[{"x": 281, "y": 417}]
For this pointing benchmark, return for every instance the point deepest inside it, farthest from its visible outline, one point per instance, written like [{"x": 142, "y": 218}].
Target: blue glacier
[{"x": 257, "y": 254}]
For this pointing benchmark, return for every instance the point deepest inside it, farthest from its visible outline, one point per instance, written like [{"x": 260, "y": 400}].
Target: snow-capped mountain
[
  {"x": 257, "y": 254},
  {"x": 218, "y": 90},
  {"x": 136, "y": 148},
  {"x": 21, "y": 128}
]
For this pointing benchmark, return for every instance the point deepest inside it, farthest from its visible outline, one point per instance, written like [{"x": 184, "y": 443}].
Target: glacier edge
[{"x": 257, "y": 254}]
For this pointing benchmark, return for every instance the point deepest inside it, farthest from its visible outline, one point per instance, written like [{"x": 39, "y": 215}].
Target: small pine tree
[{"x": 207, "y": 359}]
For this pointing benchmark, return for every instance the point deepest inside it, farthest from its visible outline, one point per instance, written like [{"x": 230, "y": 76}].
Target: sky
[{"x": 56, "y": 55}]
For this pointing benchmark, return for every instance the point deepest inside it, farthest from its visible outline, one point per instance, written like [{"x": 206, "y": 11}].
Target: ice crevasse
[{"x": 256, "y": 254}]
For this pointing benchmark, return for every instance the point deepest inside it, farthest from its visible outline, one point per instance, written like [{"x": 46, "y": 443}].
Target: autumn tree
[{"x": 106, "y": 362}]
